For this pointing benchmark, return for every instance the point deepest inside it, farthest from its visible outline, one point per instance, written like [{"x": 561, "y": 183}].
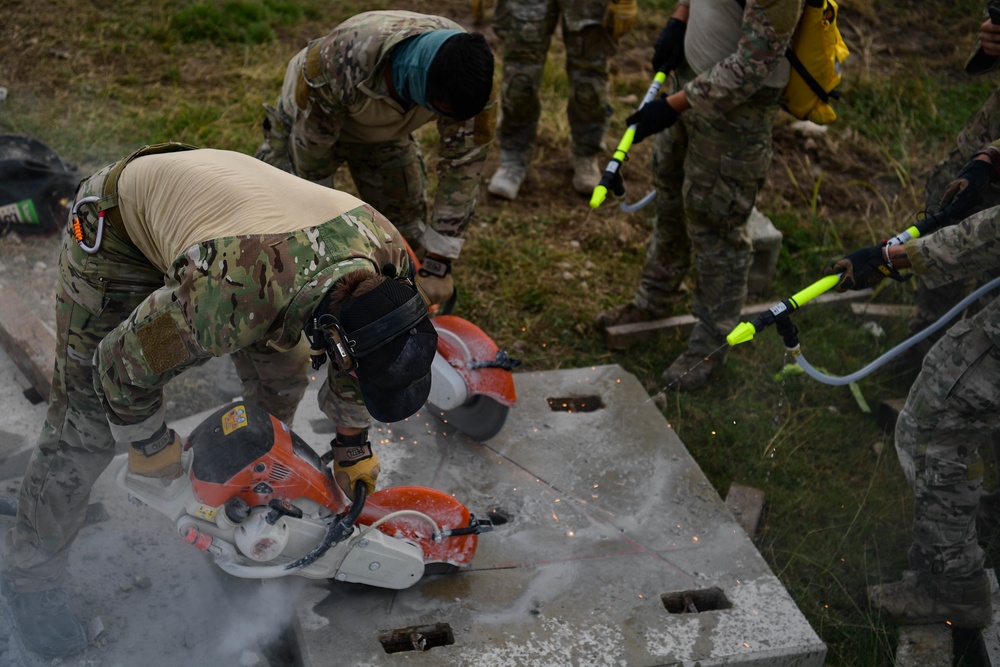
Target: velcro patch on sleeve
[{"x": 161, "y": 344}]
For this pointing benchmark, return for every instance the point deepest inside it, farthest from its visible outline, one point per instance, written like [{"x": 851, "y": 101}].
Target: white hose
[{"x": 896, "y": 351}]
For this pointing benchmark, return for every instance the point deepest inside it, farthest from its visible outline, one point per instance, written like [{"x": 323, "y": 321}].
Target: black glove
[
  {"x": 669, "y": 50},
  {"x": 863, "y": 268},
  {"x": 653, "y": 117},
  {"x": 962, "y": 193}
]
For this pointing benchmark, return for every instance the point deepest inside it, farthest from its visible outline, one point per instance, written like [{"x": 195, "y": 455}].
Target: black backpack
[{"x": 36, "y": 186}]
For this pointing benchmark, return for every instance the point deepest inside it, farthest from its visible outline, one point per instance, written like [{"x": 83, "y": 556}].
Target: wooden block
[
  {"x": 622, "y": 336},
  {"x": 29, "y": 343},
  {"x": 747, "y": 505},
  {"x": 888, "y": 412},
  {"x": 924, "y": 646}
]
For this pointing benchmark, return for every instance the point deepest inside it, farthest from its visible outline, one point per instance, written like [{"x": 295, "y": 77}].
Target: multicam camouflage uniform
[
  {"x": 335, "y": 107},
  {"x": 709, "y": 167},
  {"x": 526, "y": 28},
  {"x": 981, "y": 129},
  {"x": 129, "y": 320},
  {"x": 954, "y": 405}
]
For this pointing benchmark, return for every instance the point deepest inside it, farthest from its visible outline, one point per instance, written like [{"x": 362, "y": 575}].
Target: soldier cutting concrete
[
  {"x": 358, "y": 94},
  {"x": 176, "y": 256}
]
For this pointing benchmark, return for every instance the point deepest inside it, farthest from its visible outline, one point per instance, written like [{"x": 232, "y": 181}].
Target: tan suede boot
[
  {"x": 161, "y": 462},
  {"x": 508, "y": 178},
  {"x": 586, "y": 174}
]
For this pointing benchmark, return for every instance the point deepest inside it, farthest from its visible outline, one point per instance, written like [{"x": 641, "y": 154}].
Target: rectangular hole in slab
[
  {"x": 575, "y": 403},
  {"x": 416, "y": 638},
  {"x": 695, "y": 602}
]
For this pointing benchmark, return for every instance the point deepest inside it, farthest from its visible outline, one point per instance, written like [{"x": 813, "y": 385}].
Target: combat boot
[
  {"x": 922, "y": 598},
  {"x": 44, "y": 622},
  {"x": 586, "y": 174},
  {"x": 159, "y": 457},
  {"x": 690, "y": 370},
  {"x": 508, "y": 178}
]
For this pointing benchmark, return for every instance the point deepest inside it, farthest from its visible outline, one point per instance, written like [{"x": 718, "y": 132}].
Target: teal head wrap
[{"x": 411, "y": 60}]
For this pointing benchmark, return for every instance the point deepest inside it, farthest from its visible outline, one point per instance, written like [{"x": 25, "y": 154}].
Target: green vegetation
[{"x": 96, "y": 83}]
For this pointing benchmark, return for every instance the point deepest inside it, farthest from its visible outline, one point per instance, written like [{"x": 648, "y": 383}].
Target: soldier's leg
[
  {"x": 725, "y": 167},
  {"x": 272, "y": 380},
  {"x": 953, "y": 405},
  {"x": 589, "y": 108},
  {"x": 95, "y": 293},
  {"x": 668, "y": 254},
  {"x": 392, "y": 177},
  {"x": 526, "y": 28}
]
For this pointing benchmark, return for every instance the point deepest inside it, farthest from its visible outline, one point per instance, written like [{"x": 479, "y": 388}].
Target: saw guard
[
  {"x": 447, "y": 513},
  {"x": 463, "y": 345}
]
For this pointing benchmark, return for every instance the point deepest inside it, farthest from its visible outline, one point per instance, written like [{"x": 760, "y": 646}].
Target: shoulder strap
[{"x": 800, "y": 68}]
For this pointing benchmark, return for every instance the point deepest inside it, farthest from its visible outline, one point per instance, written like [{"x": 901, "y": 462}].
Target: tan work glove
[
  {"x": 435, "y": 280},
  {"x": 620, "y": 16},
  {"x": 353, "y": 461},
  {"x": 158, "y": 456}
]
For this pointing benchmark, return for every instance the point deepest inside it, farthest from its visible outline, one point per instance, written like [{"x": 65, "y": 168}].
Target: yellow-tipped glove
[
  {"x": 353, "y": 461},
  {"x": 620, "y": 16}
]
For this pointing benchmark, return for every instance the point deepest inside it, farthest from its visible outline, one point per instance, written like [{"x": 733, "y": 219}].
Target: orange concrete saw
[
  {"x": 264, "y": 505},
  {"x": 472, "y": 387}
]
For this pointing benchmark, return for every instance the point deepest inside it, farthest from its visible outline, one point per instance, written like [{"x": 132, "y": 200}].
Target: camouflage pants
[
  {"x": 982, "y": 129},
  {"x": 94, "y": 294},
  {"x": 707, "y": 174},
  {"x": 526, "y": 28},
  {"x": 952, "y": 409},
  {"x": 391, "y": 176}
]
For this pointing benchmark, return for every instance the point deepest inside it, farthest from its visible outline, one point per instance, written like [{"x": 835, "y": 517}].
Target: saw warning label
[{"x": 234, "y": 419}]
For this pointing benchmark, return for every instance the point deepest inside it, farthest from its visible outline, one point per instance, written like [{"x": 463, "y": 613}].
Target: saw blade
[{"x": 480, "y": 417}]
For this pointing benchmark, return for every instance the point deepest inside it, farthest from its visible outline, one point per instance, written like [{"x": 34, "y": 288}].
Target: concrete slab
[{"x": 615, "y": 549}]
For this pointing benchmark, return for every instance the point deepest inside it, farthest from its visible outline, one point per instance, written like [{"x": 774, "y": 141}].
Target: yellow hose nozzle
[{"x": 743, "y": 332}]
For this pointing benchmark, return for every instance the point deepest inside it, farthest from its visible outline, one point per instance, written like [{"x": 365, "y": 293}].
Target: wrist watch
[{"x": 435, "y": 267}]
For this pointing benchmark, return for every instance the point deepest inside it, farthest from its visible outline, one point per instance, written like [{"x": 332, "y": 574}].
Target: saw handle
[{"x": 338, "y": 530}]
